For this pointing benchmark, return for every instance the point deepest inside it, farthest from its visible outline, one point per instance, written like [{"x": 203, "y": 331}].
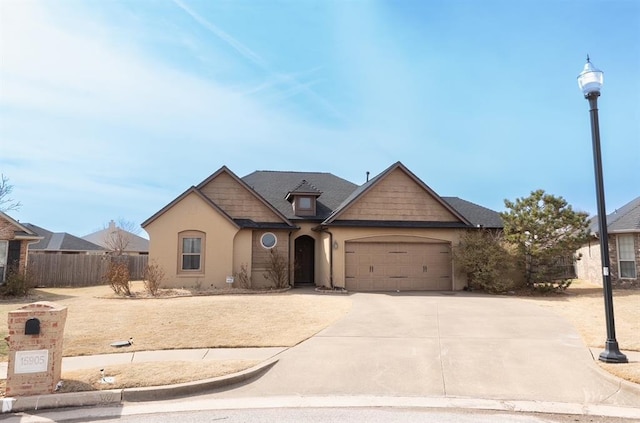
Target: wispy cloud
[{"x": 253, "y": 57}]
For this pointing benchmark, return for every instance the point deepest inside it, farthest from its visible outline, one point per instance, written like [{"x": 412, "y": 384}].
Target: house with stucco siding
[{"x": 391, "y": 233}]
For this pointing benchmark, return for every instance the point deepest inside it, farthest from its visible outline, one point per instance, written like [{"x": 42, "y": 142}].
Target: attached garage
[{"x": 391, "y": 266}]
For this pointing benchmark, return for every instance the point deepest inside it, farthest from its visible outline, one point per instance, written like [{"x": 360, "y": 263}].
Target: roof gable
[
  {"x": 237, "y": 199},
  {"x": 303, "y": 188},
  {"x": 234, "y": 199},
  {"x": 20, "y": 231},
  {"x": 109, "y": 237},
  {"x": 624, "y": 219},
  {"x": 195, "y": 191},
  {"x": 397, "y": 195}
]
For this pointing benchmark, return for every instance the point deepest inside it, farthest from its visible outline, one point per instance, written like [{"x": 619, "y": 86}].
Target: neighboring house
[
  {"x": 623, "y": 226},
  {"x": 391, "y": 233},
  {"x": 117, "y": 239},
  {"x": 14, "y": 242},
  {"x": 61, "y": 243}
]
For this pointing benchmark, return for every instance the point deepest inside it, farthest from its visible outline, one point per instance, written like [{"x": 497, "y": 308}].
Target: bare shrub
[
  {"x": 17, "y": 284},
  {"x": 277, "y": 269},
  {"x": 117, "y": 277},
  {"x": 243, "y": 278},
  {"x": 153, "y": 276}
]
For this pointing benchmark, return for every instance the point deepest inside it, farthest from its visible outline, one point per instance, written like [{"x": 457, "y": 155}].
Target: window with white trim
[
  {"x": 191, "y": 251},
  {"x": 4, "y": 248},
  {"x": 268, "y": 240},
  {"x": 626, "y": 257}
]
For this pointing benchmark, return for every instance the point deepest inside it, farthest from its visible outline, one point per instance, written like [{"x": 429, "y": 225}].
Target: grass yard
[{"x": 583, "y": 306}]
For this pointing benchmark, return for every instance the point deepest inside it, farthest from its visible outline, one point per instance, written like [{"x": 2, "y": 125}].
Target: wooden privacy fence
[{"x": 56, "y": 270}]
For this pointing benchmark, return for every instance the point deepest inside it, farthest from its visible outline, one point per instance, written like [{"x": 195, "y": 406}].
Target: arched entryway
[{"x": 304, "y": 261}]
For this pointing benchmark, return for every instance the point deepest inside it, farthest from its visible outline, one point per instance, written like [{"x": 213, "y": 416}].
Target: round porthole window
[{"x": 268, "y": 240}]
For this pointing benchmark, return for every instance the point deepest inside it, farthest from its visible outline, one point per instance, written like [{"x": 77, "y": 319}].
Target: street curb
[
  {"x": 117, "y": 396},
  {"x": 71, "y": 399},
  {"x": 627, "y": 385},
  {"x": 155, "y": 393}
]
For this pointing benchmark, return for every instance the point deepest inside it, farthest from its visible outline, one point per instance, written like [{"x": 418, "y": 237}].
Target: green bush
[{"x": 482, "y": 255}]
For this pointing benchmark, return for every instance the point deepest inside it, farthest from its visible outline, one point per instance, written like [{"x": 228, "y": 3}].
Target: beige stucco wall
[
  {"x": 193, "y": 213},
  {"x": 342, "y": 235},
  {"x": 589, "y": 267}
]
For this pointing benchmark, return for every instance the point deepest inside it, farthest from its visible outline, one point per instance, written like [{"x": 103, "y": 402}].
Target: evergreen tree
[{"x": 546, "y": 232}]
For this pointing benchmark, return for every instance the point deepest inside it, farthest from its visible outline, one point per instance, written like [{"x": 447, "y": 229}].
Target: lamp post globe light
[{"x": 590, "y": 81}]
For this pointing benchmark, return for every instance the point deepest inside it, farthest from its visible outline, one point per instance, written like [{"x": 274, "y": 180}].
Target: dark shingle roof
[
  {"x": 273, "y": 186},
  {"x": 475, "y": 214},
  {"x": 624, "y": 219},
  {"x": 60, "y": 241}
]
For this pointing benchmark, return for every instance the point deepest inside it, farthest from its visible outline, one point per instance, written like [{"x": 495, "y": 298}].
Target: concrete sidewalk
[{"x": 103, "y": 361}]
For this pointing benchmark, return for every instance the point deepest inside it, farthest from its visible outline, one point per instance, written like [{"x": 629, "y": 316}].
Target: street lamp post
[{"x": 590, "y": 81}]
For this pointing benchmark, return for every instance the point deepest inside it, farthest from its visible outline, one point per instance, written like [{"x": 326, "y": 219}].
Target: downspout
[
  {"x": 26, "y": 260},
  {"x": 323, "y": 229},
  {"x": 291, "y": 281}
]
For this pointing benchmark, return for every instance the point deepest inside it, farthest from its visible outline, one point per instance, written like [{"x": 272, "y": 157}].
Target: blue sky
[{"x": 110, "y": 109}]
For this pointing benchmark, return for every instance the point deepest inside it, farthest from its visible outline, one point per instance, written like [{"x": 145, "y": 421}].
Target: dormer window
[
  {"x": 303, "y": 199},
  {"x": 304, "y": 205}
]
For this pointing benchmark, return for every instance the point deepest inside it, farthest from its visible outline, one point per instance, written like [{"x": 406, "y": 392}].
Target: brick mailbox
[{"x": 35, "y": 348}]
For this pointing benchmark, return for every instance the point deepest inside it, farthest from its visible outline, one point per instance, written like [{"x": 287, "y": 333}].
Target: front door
[{"x": 304, "y": 260}]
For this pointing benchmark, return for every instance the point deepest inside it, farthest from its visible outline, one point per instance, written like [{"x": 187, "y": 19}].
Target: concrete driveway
[{"x": 443, "y": 345}]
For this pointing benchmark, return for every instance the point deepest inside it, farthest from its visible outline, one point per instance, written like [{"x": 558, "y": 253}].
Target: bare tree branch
[
  {"x": 119, "y": 235},
  {"x": 6, "y": 203}
]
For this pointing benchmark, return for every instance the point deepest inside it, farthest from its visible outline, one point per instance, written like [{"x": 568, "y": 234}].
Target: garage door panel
[{"x": 403, "y": 266}]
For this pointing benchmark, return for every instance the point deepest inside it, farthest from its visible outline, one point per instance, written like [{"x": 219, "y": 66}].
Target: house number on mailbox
[{"x": 35, "y": 361}]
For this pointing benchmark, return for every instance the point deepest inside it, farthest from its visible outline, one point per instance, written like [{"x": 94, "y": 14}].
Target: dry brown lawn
[
  {"x": 96, "y": 318},
  {"x": 150, "y": 374},
  {"x": 583, "y": 306}
]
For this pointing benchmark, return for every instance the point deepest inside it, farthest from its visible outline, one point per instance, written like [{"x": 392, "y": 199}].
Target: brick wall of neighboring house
[
  {"x": 615, "y": 271},
  {"x": 7, "y": 233},
  {"x": 6, "y": 229},
  {"x": 24, "y": 248}
]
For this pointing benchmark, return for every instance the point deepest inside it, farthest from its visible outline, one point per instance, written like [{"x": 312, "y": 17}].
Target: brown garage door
[{"x": 397, "y": 266}]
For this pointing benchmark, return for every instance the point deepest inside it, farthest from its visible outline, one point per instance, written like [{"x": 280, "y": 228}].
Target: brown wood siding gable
[
  {"x": 236, "y": 201},
  {"x": 398, "y": 197}
]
